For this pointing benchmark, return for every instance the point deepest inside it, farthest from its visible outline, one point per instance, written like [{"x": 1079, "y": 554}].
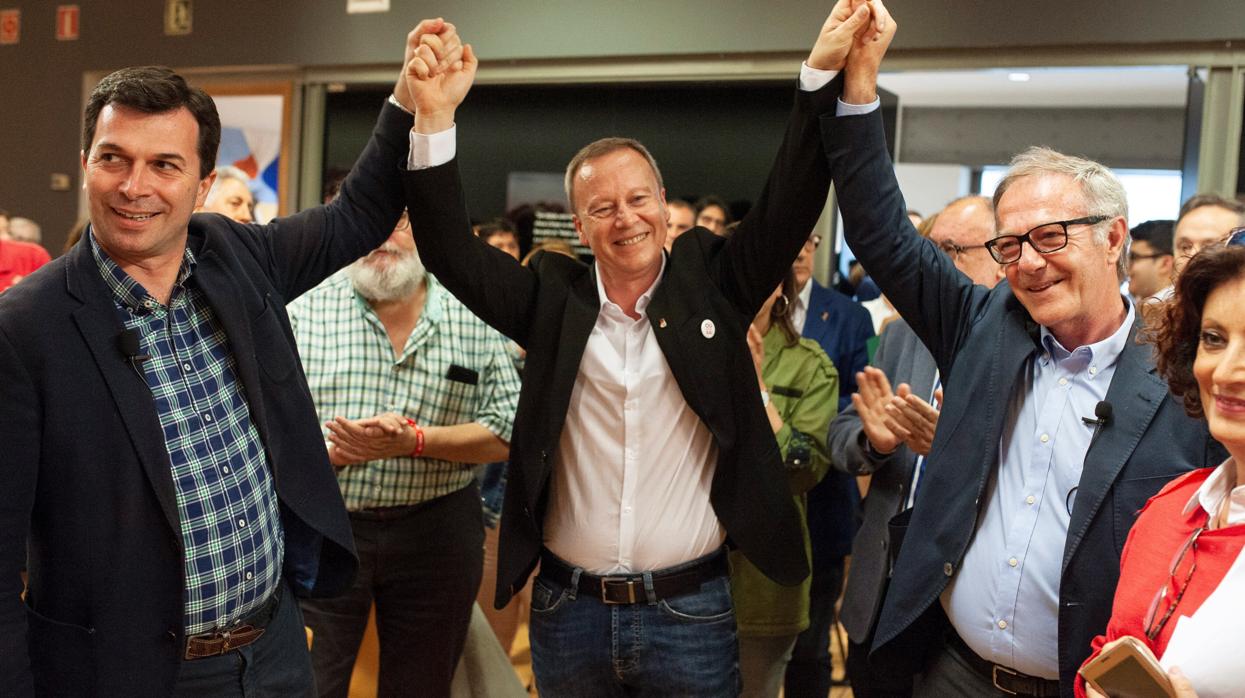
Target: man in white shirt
[{"x": 639, "y": 446}]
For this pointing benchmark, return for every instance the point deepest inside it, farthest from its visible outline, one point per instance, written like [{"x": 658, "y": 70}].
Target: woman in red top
[{"x": 1182, "y": 575}]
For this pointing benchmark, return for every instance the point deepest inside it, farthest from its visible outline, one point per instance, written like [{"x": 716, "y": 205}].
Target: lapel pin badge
[
  {"x": 708, "y": 329},
  {"x": 661, "y": 323},
  {"x": 825, "y": 315}
]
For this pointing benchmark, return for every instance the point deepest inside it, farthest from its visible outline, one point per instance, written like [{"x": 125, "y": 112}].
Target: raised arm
[
  {"x": 936, "y": 299},
  {"x": 489, "y": 282},
  {"x": 303, "y": 249},
  {"x": 771, "y": 235}
]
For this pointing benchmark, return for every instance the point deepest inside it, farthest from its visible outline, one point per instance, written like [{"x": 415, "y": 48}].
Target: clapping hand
[
  {"x": 353, "y": 441},
  {"x": 890, "y": 418}
]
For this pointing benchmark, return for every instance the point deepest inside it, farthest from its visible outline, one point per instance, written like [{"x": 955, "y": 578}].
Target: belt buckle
[
  {"x": 605, "y": 598},
  {"x": 994, "y": 677}
]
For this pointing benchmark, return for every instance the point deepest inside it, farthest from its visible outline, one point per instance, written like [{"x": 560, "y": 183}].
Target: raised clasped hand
[
  {"x": 851, "y": 22},
  {"x": 437, "y": 72}
]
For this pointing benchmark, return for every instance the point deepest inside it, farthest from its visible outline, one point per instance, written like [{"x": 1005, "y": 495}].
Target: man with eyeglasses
[
  {"x": 1150, "y": 261},
  {"x": 1204, "y": 221},
  {"x": 1054, "y": 429},
  {"x": 961, "y": 231},
  {"x": 412, "y": 389},
  {"x": 886, "y": 434}
]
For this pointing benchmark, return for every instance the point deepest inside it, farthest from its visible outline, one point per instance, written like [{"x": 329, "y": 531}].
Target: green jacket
[{"x": 804, "y": 387}]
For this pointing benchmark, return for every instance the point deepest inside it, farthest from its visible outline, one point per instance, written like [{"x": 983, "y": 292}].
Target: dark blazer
[
  {"x": 85, "y": 468},
  {"x": 903, "y": 359},
  {"x": 551, "y": 306},
  {"x": 842, "y": 327},
  {"x": 980, "y": 340}
]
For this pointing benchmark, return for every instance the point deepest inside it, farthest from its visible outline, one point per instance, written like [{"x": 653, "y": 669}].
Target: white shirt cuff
[
  {"x": 845, "y": 109},
  {"x": 432, "y": 149},
  {"x": 813, "y": 79}
]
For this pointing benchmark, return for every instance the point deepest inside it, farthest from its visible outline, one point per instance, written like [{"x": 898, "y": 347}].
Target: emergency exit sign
[
  {"x": 10, "y": 26},
  {"x": 67, "y": 23}
]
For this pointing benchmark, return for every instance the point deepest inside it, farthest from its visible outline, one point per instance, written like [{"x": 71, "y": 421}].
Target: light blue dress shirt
[{"x": 1004, "y": 601}]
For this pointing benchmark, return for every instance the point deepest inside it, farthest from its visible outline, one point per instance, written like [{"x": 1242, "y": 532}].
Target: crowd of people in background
[{"x": 1008, "y": 441}]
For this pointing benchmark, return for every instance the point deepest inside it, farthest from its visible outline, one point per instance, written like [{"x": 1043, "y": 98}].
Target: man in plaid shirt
[
  {"x": 166, "y": 485},
  {"x": 412, "y": 389}
]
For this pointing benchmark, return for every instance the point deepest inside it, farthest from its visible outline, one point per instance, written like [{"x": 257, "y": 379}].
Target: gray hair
[
  {"x": 223, "y": 174},
  {"x": 605, "y": 146},
  {"x": 1102, "y": 190}
]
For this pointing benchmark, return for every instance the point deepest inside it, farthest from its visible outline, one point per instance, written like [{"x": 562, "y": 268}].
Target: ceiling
[{"x": 1142, "y": 86}]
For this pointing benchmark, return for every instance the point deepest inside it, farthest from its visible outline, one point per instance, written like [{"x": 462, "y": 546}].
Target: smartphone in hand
[{"x": 1128, "y": 669}]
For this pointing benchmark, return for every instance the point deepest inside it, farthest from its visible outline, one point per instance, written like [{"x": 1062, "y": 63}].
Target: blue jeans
[
  {"x": 681, "y": 646},
  {"x": 492, "y": 478},
  {"x": 277, "y": 665}
]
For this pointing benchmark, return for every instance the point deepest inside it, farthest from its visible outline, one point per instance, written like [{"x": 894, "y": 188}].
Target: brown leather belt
[
  {"x": 1007, "y": 680},
  {"x": 629, "y": 588},
  {"x": 242, "y": 633}
]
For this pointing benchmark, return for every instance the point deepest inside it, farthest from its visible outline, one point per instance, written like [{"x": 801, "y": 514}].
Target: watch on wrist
[{"x": 394, "y": 101}]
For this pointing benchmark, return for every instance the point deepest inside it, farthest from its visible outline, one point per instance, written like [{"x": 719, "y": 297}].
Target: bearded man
[{"x": 412, "y": 389}]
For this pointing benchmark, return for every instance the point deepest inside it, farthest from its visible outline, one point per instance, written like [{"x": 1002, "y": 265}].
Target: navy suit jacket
[
  {"x": 980, "y": 340},
  {"x": 842, "y": 327},
  {"x": 551, "y": 306},
  {"x": 85, "y": 468}
]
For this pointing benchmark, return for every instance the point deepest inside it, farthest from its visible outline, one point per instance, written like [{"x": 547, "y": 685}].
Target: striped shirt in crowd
[{"x": 454, "y": 369}]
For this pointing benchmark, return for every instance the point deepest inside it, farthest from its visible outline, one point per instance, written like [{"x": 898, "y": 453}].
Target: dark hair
[
  {"x": 706, "y": 201},
  {"x": 1158, "y": 234},
  {"x": 1177, "y": 336},
  {"x": 156, "y": 90},
  {"x": 781, "y": 316},
  {"x": 1202, "y": 200},
  {"x": 497, "y": 226},
  {"x": 333, "y": 178}
]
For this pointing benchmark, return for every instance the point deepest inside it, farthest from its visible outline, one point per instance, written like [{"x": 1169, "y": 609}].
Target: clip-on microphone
[
  {"x": 1101, "y": 418},
  {"x": 129, "y": 345}
]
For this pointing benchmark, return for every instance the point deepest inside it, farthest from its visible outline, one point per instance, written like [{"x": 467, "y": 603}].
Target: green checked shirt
[{"x": 453, "y": 370}]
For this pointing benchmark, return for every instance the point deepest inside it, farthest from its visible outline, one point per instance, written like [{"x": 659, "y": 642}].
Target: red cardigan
[{"x": 1160, "y": 530}]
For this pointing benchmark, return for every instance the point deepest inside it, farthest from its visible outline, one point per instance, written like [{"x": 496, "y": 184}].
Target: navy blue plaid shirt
[{"x": 226, "y": 501}]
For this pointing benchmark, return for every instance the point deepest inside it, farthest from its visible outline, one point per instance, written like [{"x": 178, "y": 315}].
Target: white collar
[
  {"x": 1219, "y": 487},
  {"x": 642, "y": 302},
  {"x": 805, "y": 296}
]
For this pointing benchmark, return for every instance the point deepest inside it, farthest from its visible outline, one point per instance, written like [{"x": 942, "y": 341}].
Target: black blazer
[
  {"x": 85, "y": 469},
  {"x": 551, "y": 306},
  {"x": 980, "y": 339}
]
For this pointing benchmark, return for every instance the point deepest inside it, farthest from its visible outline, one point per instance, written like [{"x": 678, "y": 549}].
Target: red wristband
[{"x": 419, "y": 438}]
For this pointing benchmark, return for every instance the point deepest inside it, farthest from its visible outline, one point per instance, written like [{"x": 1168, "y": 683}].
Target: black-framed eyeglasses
[
  {"x": 1045, "y": 238},
  {"x": 954, "y": 251},
  {"x": 1154, "y": 625}
]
